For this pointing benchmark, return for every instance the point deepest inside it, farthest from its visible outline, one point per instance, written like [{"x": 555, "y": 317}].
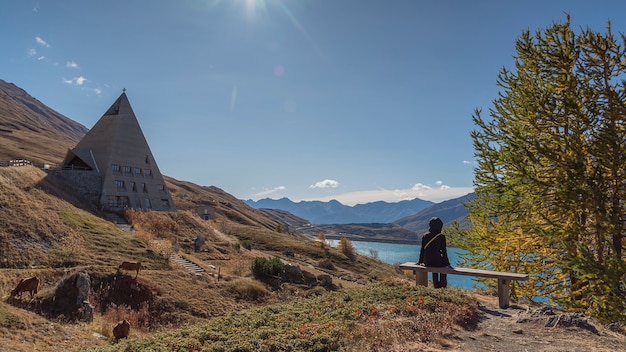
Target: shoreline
[{"x": 377, "y": 240}]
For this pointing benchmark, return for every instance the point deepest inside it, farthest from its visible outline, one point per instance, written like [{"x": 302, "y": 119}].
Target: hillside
[
  {"x": 448, "y": 211},
  {"x": 376, "y": 232},
  {"x": 31, "y": 130},
  {"x": 202, "y": 310},
  {"x": 49, "y": 232}
]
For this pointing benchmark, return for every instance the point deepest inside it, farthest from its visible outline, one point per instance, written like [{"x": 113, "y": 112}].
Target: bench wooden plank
[
  {"x": 465, "y": 271},
  {"x": 504, "y": 278}
]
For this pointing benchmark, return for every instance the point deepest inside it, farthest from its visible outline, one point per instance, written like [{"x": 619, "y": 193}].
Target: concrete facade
[{"x": 116, "y": 149}]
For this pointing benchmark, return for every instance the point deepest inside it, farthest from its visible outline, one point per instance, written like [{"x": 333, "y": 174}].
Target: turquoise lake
[{"x": 392, "y": 253}]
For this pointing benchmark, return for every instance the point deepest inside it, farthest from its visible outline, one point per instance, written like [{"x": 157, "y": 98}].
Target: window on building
[
  {"x": 147, "y": 172},
  {"x": 147, "y": 159},
  {"x": 126, "y": 169},
  {"x": 165, "y": 203},
  {"x": 144, "y": 188},
  {"x": 119, "y": 184},
  {"x": 148, "y": 205},
  {"x": 137, "y": 171},
  {"x": 161, "y": 188},
  {"x": 115, "y": 168},
  {"x": 133, "y": 186}
]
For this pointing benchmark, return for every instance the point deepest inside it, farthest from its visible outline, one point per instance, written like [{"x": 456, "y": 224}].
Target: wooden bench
[{"x": 504, "y": 279}]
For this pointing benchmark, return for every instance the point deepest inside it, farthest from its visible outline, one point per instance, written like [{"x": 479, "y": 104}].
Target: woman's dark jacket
[{"x": 433, "y": 251}]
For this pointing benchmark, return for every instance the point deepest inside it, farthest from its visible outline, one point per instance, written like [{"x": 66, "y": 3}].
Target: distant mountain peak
[{"x": 334, "y": 212}]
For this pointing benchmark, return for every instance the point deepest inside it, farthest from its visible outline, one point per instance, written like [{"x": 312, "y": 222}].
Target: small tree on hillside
[
  {"x": 321, "y": 238},
  {"x": 345, "y": 247}
]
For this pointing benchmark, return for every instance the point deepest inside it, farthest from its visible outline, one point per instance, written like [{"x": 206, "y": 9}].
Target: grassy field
[
  {"x": 50, "y": 234},
  {"x": 375, "y": 317}
]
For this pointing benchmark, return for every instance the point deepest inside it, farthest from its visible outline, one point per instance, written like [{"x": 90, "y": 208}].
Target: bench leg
[
  {"x": 421, "y": 278},
  {"x": 503, "y": 293}
]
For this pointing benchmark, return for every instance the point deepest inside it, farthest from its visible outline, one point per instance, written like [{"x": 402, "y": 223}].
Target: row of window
[
  {"x": 137, "y": 171},
  {"x": 146, "y": 160},
  {"x": 124, "y": 202},
  {"x": 121, "y": 185}
]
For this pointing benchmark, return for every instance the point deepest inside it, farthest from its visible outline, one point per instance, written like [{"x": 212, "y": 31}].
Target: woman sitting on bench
[{"x": 433, "y": 251}]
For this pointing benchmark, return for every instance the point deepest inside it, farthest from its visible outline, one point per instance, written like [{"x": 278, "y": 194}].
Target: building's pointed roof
[
  {"x": 121, "y": 106},
  {"x": 116, "y": 148},
  {"x": 116, "y": 135}
]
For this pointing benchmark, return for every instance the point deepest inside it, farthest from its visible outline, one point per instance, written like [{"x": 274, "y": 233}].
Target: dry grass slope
[
  {"x": 31, "y": 130},
  {"x": 45, "y": 235}
]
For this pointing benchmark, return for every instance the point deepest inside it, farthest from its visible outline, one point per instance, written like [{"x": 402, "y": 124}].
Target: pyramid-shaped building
[{"x": 116, "y": 150}]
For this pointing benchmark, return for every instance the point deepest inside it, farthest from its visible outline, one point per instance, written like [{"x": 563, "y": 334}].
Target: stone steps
[
  {"x": 192, "y": 267},
  {"x": 124, "y": 226},
  {"x": 121, "y": 223}
]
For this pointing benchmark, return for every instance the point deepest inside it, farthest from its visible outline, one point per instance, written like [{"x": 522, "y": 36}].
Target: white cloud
[
  {"x": 42, "y": 42},
  {"x": 71, "y": 64},
  {"x": 418, "y": 187},
  {"x": 325, "y": 184},
  {"x": 267, "y": 192},
  {"x": 467, "y": 162},
  {"x": 76, "y": 80},
  {"x": 41, "y": 58},
  {"x": 437, "y": 193},
  {"x": 98, "y": 91}
]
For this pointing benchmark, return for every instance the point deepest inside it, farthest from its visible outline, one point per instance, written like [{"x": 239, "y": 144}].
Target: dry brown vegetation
[
  {"x": 58, "y": 239},
  {"x": 46, "y": 235}
]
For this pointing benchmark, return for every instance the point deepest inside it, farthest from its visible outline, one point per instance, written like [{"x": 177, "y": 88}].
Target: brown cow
[
  {"x": 31, "y": 285},
  {"x": 130, "y": 266},
  {"x": 121, "y": 330}
]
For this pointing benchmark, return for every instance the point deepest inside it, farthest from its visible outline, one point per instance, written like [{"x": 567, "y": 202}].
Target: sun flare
[{"x": 253, "y": 6}]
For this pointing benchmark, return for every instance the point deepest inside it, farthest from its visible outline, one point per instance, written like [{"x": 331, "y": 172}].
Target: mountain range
[
  {"x": 333, "y": 212},
  {"x": 412, "y": 215},
  {"x": 448, "y": 211}
]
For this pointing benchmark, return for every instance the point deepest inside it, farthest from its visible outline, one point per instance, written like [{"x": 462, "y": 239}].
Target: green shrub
[
  {"x": 246, "y": 244},
  {"x": 264, "y": 268},
  {"x": 9, "y": 320}
]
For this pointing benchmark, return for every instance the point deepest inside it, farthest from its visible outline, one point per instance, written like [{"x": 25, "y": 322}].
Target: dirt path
[{"x": 534, "y": 329}]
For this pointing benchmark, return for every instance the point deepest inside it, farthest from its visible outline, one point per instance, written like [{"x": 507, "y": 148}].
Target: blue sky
[{"x": 353, "y": 100}]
